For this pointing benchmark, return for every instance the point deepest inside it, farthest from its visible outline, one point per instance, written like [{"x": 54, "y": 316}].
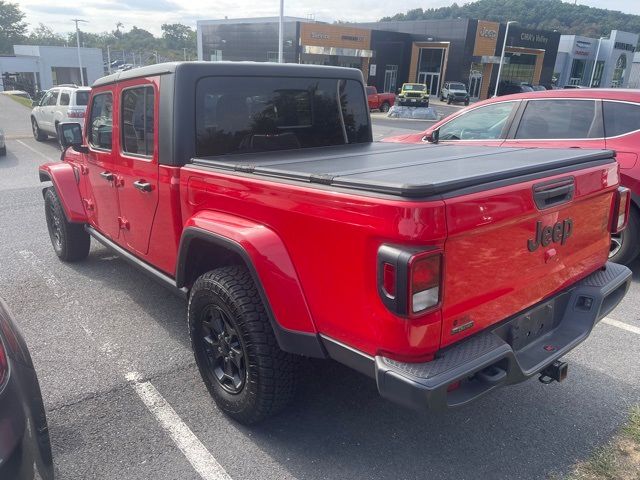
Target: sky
[{"x": 103, "y": 15}]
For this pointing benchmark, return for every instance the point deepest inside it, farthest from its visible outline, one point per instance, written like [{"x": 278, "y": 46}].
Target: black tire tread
[
  {"x": 76, "y": 242},
  {"x": 271, "y": 371}
]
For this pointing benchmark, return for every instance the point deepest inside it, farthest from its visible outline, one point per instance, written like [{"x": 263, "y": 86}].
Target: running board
[{"x": 153, "y": 272}]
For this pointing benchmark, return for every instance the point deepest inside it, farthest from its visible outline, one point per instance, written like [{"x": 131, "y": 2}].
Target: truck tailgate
[{"x": 505, "y": 251}]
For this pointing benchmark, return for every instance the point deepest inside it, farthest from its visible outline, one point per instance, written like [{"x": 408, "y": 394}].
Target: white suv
[{"x": 65, "y": 103}]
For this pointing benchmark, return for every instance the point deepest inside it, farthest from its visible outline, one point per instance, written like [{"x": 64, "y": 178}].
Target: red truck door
[
  {"x": 137, "y": 162},
  {"x": 101, "y": 200}
]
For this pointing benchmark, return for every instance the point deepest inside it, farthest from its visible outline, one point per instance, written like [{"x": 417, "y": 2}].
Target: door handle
[
  {"x": 142, "y": 185},
  {"x": 108, "y": 176}
]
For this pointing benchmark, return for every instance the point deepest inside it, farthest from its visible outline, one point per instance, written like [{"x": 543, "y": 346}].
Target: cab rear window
[
  {"x": 82, "y": 98},
  {"x": 254, "y": 114}
]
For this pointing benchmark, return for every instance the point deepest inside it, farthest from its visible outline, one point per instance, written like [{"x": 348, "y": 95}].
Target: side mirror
[
  {"x": 433, "y": 136},
  {"x": 71, "y": 136}
]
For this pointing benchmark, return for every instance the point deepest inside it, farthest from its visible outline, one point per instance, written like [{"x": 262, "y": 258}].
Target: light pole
[
  {"x": 185, "y": 53},
  {"x": 595, "y": 63},
  {"x": 504, "y": 46},
  {"x": 280, "y": 33},
  {"x": 109, "y": 58},
  {"x": 156, "y": 54},
  {"x": 78, "y": 43}
]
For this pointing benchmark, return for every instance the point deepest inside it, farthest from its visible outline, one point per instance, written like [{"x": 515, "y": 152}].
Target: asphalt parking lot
[{"x": 124, "y": 399}]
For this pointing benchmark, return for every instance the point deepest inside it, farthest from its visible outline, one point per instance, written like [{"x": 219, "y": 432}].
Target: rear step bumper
[{"x": 503, "y": 356}]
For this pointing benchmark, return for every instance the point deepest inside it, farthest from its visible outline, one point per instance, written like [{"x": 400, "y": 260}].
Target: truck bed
[{"x": 408, "y": 170}]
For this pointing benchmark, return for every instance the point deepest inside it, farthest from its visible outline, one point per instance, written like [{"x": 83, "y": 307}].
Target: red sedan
[{"x": 581, "y": 118}]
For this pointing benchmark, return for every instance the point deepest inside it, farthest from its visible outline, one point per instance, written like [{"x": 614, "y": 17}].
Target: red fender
[
  {"x": 65, "y": 182},
  {"x": 266, "y": 256}
]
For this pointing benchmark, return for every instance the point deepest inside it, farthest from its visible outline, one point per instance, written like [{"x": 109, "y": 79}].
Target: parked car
[
  {"x": 25, "y": 447},
  {"x": 508, "y": 88},
  {"x": 251, "y": 197},
  {"x": 585, "y": 118},
  {"x": 413, "y": 95},
  {"x": 65, "y": 103},
  {"x": 454, "y": 92},
  {"x": 3, "y": 145},
  {"x": 17, "y": 93},
  {"x": 380, "y": 101}
]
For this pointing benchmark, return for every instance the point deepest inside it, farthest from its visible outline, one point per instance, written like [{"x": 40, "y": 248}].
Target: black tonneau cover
[{"x": 406, "y": 170}]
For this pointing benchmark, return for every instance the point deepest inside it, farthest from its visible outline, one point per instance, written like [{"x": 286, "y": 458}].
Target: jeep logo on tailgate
[{"x": 559, "y": 232}]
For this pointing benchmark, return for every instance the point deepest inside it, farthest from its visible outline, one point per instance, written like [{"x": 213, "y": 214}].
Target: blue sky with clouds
[{"x": 103, "y": 15}]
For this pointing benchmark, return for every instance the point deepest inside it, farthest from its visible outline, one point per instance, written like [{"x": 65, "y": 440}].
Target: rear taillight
[
  {"x": 4, "y": 364},
  {"x": 622, "y": 204},
  {"x": 75, "y": 113},
  {"x": 409, "y": 280}
]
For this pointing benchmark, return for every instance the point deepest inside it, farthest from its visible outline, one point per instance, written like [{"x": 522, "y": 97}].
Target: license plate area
[{"x": 531, "y": 325}]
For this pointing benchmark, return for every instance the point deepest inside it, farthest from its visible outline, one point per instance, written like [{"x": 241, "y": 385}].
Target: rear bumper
[{"x": 570, "y": 317}]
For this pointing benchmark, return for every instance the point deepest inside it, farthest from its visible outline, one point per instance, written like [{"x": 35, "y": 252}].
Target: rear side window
[
  {"x": 82, "y": 98},
  {"x": 558, "y": 119},
  {"x": 255, "y": 114},
  {"x": 101, "y": 121},
  {"x": 64, "y": 99},
  {"x": 370, "y": 91},
  {"x": 136, "y": 121},
  {"x": 620, "y": 118}
]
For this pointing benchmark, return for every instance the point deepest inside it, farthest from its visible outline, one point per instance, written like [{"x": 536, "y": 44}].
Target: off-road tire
[
  {"x": 70, "y": 241},
  {"x": 449, "y": 100},
  {"x": 384, "y": 108},
  {"x": 630, "y": 240},
  {"x": 38, "y": 134},
  {"x": 269, "y": 373}
]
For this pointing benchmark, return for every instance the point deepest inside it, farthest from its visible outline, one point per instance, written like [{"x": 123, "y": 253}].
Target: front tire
[
  {"x": 384, "y": 108},
  {"x": 70, "y": 241},
  {"x": 625, "y": 246},
  {"x": 236, "y": 351},
  {"x": 38, "y": 134}
]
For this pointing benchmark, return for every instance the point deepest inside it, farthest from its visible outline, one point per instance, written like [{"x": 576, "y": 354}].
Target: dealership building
[
  {"x": 391, "y": 53},
  {"x": 34, "y": 68},
  {"x": 604, "y": 62}
]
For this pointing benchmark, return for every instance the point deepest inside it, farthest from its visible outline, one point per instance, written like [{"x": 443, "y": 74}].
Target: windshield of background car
[
  {"x": 249, "y": 114},
  {"x": 457, "y": 86},
  {"x": 82, "y": 98},
  {"x": 482, "y": 123},
  {"x": 413, "y": 88}
]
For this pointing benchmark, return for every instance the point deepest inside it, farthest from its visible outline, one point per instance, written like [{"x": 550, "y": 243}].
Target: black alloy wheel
[{"x": 223, "y": 349}]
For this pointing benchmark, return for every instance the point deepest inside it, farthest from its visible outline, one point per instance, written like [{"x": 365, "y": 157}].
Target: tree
[
  {"x": 565, "y": 17},
  {"x": 43, "y": 35},
  {"x": 178, "y": 36},
  {"x": 12, "y": 26}
]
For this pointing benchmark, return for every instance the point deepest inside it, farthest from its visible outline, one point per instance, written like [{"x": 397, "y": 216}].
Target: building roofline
[{"x": 231, "y": 21}]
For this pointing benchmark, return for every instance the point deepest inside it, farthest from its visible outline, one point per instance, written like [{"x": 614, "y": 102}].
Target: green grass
[
  {"x": 21, "y": 100},
  {"x": 619, "y": 459},
  {"x": 632, "y": 429}
]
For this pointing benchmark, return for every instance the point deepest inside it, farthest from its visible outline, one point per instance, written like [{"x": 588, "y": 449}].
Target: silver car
[{"x": 65, "y": 103}]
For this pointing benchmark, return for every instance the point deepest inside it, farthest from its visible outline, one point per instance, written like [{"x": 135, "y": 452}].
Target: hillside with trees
[{"x": 565, "y": 17}]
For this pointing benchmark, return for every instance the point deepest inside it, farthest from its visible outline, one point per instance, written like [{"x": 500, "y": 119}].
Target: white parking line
[
  {"x": 198, "y": 456},
  {"x": 29, "y": 147},
  {"x": 622, "y": 325},
  {"x": 196, "y": 453}
]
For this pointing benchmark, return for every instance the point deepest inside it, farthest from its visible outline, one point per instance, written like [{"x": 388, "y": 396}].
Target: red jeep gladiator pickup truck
[
  {"x": 380, "y": 101},
  {"x": 255, "y": 192}
]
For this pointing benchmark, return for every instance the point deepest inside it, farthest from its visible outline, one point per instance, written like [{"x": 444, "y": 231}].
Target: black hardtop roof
[{"x": 205, "y": 69}]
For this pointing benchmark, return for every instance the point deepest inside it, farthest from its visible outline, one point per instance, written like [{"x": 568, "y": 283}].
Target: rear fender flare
[
  {"x": 265, "y": 256},
  {"x": 65, "y": 181}
]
